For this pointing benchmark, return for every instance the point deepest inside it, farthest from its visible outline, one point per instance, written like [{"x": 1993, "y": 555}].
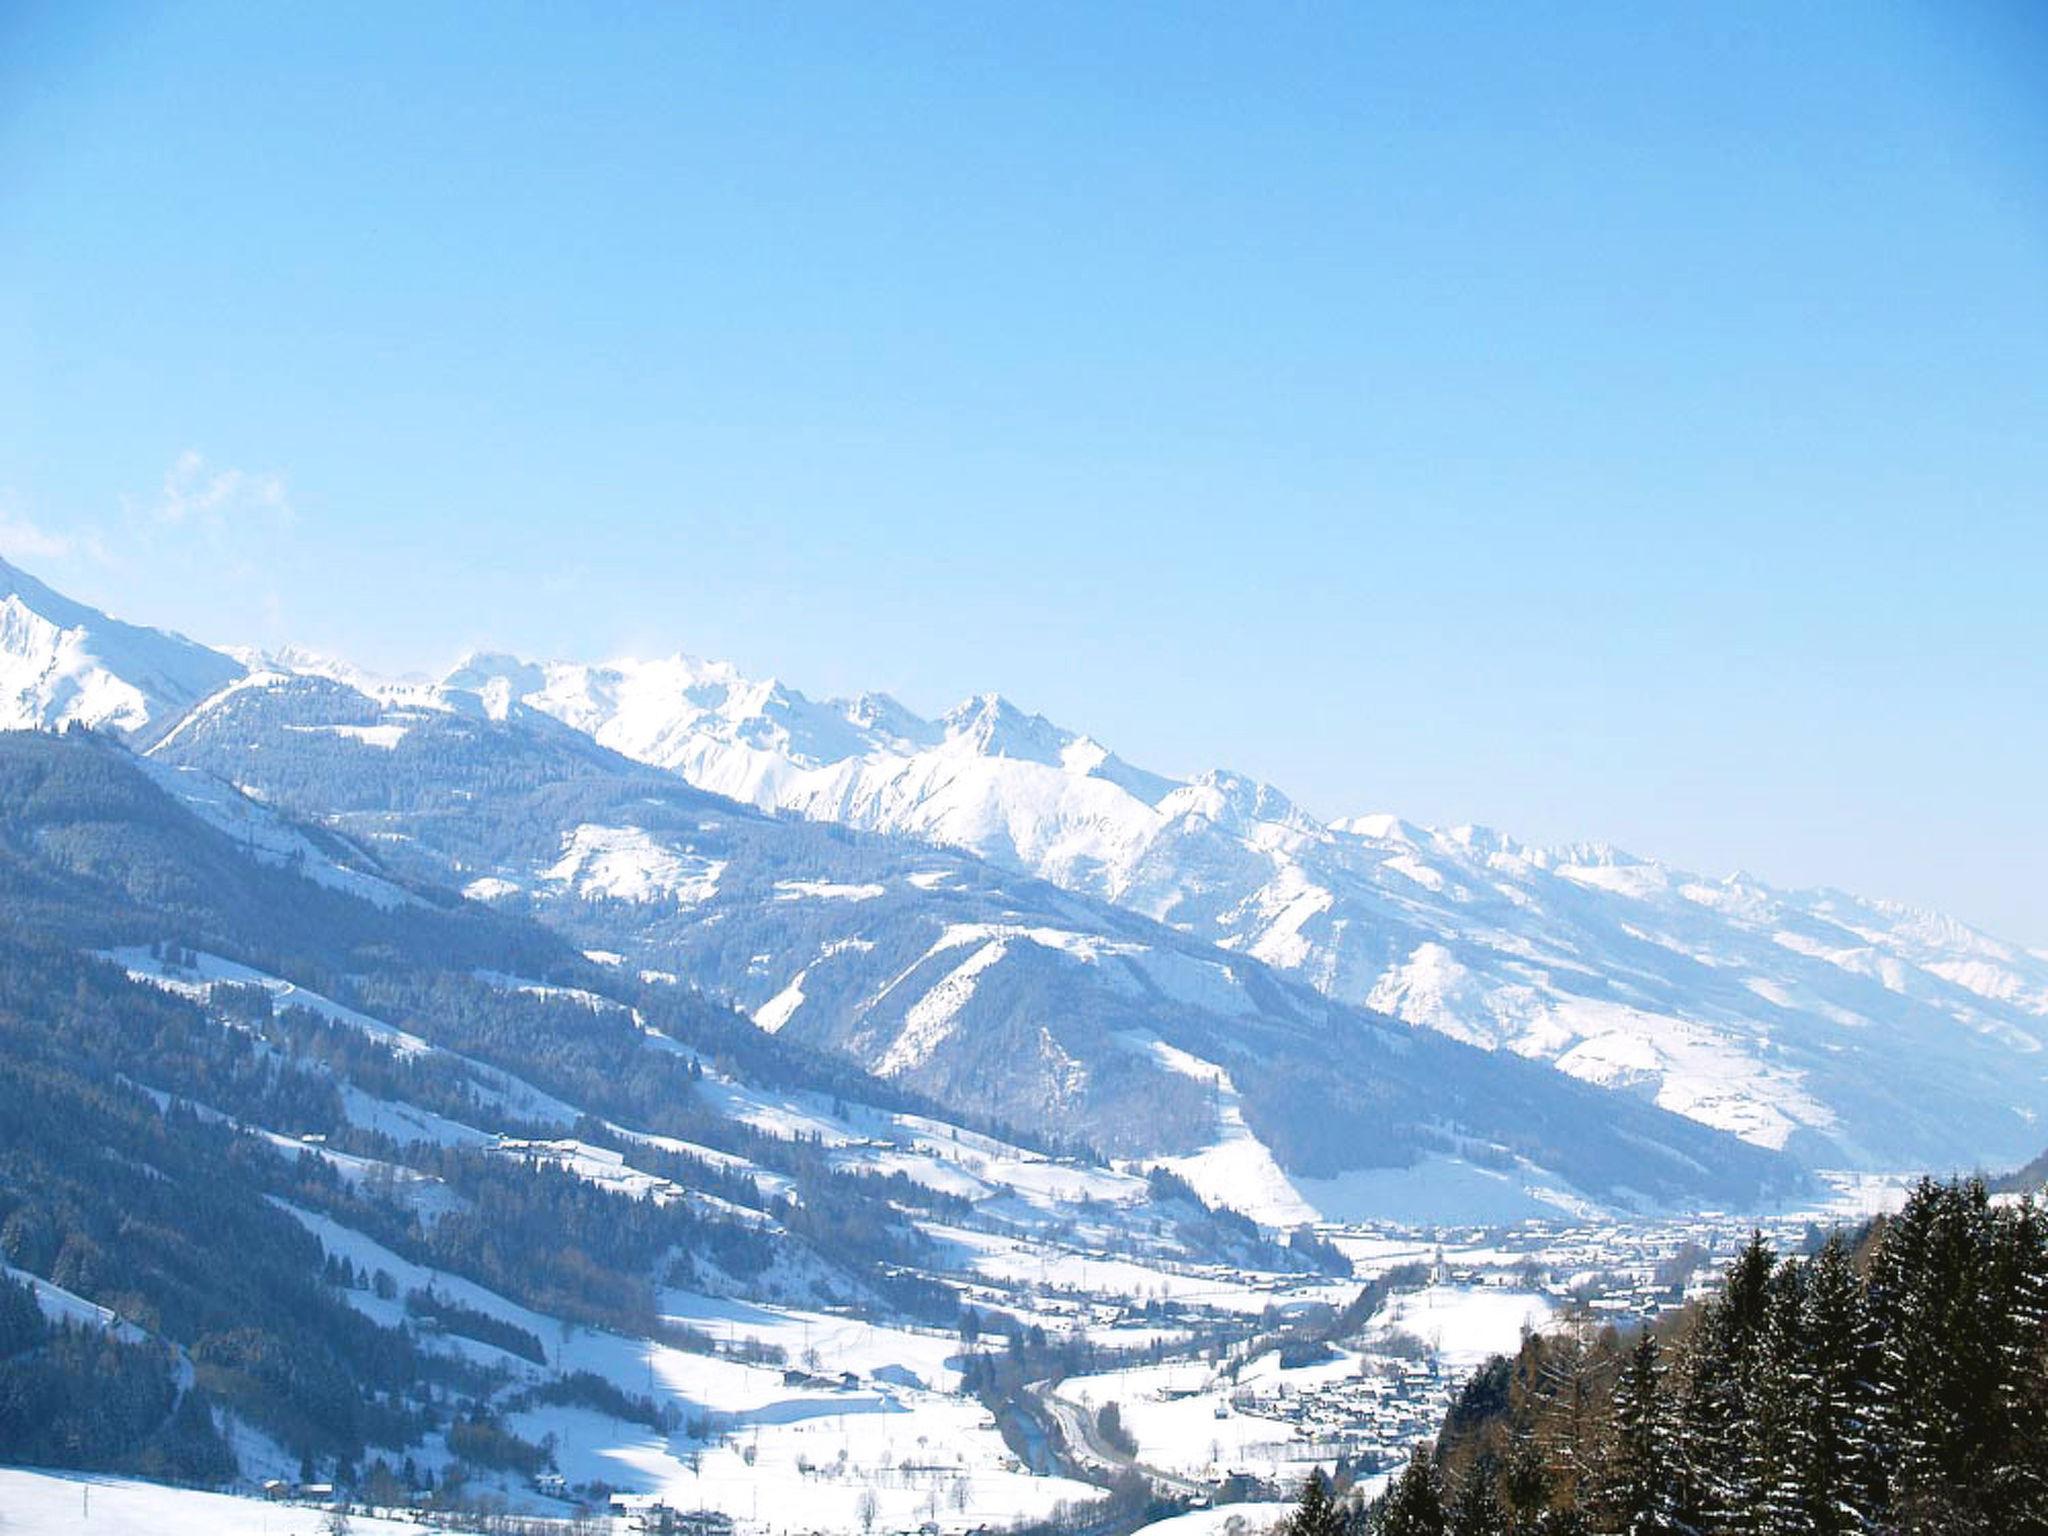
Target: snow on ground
[
  {"x": 825, "y": 890},
  {"x": 267, "y": 837},
  {"x": 1851, "y": 1195},
  {"x": 548, "y": 991},
  {"x": 776, "y": 1012},
  {"x": 1236, "y": 1169},
  {"x": 1466, "y": 1324},
  {"x": 1222, "y": 1520},
  {"x": 60, "y": 1503},
  {"x": 785, "y": 1116},
  {"x": 407, "y": 1122},
  {"x": 1046, "y": 1267},
  {"x": 421, "y": 1192},
  {"x": 197, "y": 980},
  {"x": 929, "y": 1152},
  {"x": 931, "y": 1019},
  {"x": 61, "y": 1306},
  {"x": 1207, "y": 984},
  {"x": 386, "y": 736},
  {"x": 627, "y": 864},
  {"x": 923, "y": 1458},
  {"x": 933, "y": 1147},
  {"x": 1198, "y": 1420},
  {"x": 1439, "y": 1188},
  {"x": 897, "y": 1426},
  {"x": 899, "y": 1354},
  {"x": 368, "y": 1256}
]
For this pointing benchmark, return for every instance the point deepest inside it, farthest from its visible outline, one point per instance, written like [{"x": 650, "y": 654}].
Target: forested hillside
[
  {"x": 240, "y": 1104},
  {"x": 1896, "y": 1381}
]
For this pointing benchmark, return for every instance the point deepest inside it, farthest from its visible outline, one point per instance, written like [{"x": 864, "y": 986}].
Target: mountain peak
[
  {"x": 62, "y": 663},
  {"x": 991, "y": 726},
  {"x": 1235, "y": 802},
  {"x": 1380, "y": 826},
  {"x": 889, "y": 721}
]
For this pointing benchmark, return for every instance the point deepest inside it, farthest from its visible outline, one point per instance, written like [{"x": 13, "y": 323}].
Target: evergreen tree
[
  {"x": 1806, "y": 1398},
  {"x": 1721, "y": 1482},
  {"x": 1832, "y": 1457},
  {"x": 1415, "y": 1504},
  {"x": 1774, "y": 1429},
  {"x": 1477, "y": 1510},
  {"x": 1526, "y": 1483},
  {"x": 2019, "y": 1285},
  {"x": 21, "y": 1318},
  {"x": 1637, "y": 1493},
  {"x": 1316, "y": 1513},
  {"x": 1940, "y": 1361}
]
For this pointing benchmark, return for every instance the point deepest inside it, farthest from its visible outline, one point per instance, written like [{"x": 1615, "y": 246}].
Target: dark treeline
[
  {"x": 1892, "y": 1383},
  {"x": 86, "y": 1397}
]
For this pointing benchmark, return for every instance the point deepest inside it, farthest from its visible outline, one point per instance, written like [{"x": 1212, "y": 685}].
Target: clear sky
[{"x": 1619, "y": 422}]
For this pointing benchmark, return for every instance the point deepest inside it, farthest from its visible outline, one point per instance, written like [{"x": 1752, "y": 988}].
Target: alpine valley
[{"x": 561, "y": 1078}]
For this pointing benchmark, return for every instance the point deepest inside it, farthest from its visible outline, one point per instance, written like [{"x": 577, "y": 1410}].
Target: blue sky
[{"x": 1612, "y": 422}]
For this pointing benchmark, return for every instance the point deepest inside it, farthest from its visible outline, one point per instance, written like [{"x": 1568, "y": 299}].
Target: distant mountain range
[
  {"x": 1347, "y": 1017},
  {"x": 1785, "y": 1017}
]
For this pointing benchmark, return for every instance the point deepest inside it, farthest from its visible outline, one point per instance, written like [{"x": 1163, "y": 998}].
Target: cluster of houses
[
  {"x": 1371, "y": 1420},
  {"x": 648, "y": 1514}
]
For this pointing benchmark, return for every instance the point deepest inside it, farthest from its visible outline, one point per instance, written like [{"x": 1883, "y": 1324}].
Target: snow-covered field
[
  {"x": 74, "y": 1504},
  {"x": 1252, "y": 1519},
  {"x": 1466, "y": 1324}
]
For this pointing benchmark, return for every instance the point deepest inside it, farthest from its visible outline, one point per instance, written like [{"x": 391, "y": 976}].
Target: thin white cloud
[
  {"x": 21, "y": 538},
  {"x": 199, "y": 494}
]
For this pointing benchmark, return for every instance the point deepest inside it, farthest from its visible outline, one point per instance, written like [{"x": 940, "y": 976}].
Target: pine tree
[
  {"x": 1775, "y": 1427},
  {"x": 1637, "y": 1495},
  {"x": 1316, "y": 1514},
  {"x": 1833, "y": 1457},
  {"x": 1721, "y": 1482},
  {"x": 1415, "y": 1504},
  {"x": 1526, "y": 1484},
  {"x": 1938, "y": 1382},
  {"x": 1477, "y": 1511},
  {"x": 2019, "y": 1481}
]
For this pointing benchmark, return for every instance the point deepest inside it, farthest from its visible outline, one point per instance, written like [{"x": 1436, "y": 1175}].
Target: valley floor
[{"x": 872, "y": 1411}]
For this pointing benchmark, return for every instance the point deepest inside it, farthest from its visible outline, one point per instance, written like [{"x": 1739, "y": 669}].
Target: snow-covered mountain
[
  {"x": 986, "y": 989},
  {"x": 1783, "y": 1016},
  {"x": 1786, "y": 1018},
  {"x": 63, "y": 663}
]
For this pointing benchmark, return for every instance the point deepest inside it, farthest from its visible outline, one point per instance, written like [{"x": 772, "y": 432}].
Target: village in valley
[{"x": 1159, "y": 1385}]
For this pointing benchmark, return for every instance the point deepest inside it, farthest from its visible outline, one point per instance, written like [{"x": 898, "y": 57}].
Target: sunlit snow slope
[
  {"x": 62, "y": 662},
  {"x": 1786, "y": 1017}
]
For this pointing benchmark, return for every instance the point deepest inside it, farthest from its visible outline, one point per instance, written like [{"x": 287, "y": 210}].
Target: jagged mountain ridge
[
  {"x": 1782, "y": 1017},
  {"x": 1746, "y": 1007},
  {"x": 984, "y": 989}
]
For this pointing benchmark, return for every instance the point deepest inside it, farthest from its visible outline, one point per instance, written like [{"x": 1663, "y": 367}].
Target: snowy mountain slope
[
  {"x": 62, "y": 662},
  {"x": 1781, "y": 1016},
  {"x": 985, "y": 989},
  {"x": 715, "y": 1225}
]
